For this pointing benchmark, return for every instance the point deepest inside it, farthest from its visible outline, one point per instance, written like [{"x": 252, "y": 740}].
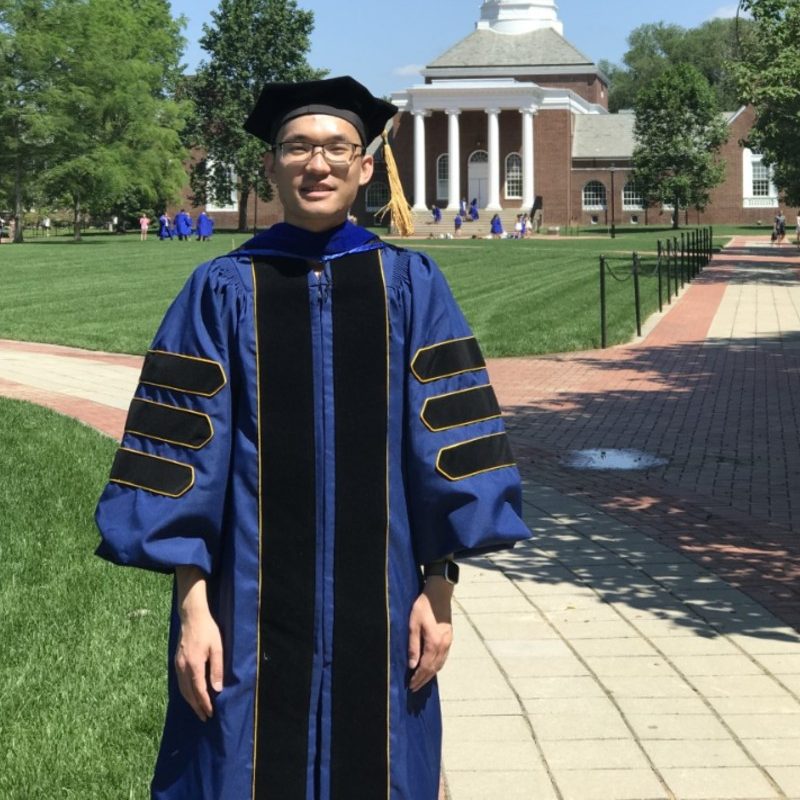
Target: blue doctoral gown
[
  {"x": 183, "y": 224},
  {"x": 205, "y": 225},
  {"x": 313, "y": 422}
]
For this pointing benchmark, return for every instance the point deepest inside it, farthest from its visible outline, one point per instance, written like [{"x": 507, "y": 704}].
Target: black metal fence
[{"x": 678, "y": 260}]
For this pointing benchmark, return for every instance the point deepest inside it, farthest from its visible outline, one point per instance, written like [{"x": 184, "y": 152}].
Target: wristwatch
[{"x": 446, "y": 568}]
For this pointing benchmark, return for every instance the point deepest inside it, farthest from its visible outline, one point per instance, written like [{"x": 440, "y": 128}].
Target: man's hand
[
  {"x": 430, "y": 631},
  {"x": 199, "y": 651}
]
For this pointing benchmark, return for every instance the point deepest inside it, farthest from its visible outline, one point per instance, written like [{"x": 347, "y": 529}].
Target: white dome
[{"x": 520, "y": 16}]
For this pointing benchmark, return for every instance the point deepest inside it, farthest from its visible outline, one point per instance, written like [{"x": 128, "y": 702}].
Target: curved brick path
[{"x": 644, "y": 644}]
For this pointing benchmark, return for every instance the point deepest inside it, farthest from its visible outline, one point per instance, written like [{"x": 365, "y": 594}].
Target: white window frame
[
  {"x": 750, "y": 161},
  {"x": 233, "y": 205},
  {"x": 631, "y": 199},
  {"x": 443, "y": 177},
  {"x": 602, "y": 203},
  {"x": 515, "y": 176}
]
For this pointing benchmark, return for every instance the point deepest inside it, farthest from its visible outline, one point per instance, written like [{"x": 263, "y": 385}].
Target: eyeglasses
[{"x": 335, "y": 153}]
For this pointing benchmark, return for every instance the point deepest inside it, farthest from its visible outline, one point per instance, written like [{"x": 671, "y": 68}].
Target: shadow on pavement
[{"x": 724, "y": 415}]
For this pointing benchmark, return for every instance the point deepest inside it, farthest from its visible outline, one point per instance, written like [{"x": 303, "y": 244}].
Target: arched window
[
  {"x": 631, "y": 197},
  {"x": 594, "y": 196},
  {"x": 377, "y": 196},
  {"x": 513, "y": 176},
  {"x": 479, "y": 157},
  {"x": 442, "y": 177}
]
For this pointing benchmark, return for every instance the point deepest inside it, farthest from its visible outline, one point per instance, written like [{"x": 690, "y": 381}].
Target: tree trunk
[
  {"x": 676, "y": 210},
  {"x": 18, "y": 210},
  {"x": 244, "y": 197},
  {"x": 76, "y": 220}
]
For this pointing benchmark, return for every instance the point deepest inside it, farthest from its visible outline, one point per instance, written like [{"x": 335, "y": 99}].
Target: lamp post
[{"x": 613, "y": 204}]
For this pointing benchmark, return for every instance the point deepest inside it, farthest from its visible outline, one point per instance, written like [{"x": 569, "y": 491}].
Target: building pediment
[{"x": 489, "y": 48}]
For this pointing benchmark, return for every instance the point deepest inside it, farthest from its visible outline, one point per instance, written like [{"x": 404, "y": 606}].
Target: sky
[{"x": 385, "y": 44}]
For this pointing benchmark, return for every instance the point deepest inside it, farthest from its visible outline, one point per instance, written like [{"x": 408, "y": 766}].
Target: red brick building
[{"x": 514, "y": 115}]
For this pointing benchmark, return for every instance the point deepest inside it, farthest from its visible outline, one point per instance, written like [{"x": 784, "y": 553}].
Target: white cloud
[
  {"x": 727, "y": 12},
  {"x": 408, "y": 69}
]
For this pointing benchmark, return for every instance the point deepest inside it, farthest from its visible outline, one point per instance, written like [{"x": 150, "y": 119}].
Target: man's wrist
[{"x": 444, "y": 568}]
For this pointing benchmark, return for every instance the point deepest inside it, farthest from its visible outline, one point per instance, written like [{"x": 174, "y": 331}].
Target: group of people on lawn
[
  {"x": 182, "y": 226},
  {"x": 522, "y": 226}
]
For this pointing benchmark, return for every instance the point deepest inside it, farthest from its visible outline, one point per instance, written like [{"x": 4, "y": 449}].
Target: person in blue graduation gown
[
  {"x": 474, "y": 215},
  {"x": 183, "y": 225},
  {"x": 437, "y": 214},
  {"x": 205, "y": 227},
  {"x": 313, "y": 439},
  {"x": 496, "y": 227},
  {"x": 164, "y": 231}
]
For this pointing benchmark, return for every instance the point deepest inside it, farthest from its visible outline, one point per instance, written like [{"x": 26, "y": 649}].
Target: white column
[
  {"x": 420, "y": 203},
  {"x": 493, "y": 203},
  {"x": 454, "y": 159},
  {"x": 528, "y": 187}
]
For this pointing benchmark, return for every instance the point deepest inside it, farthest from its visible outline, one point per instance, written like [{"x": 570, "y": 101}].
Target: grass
[
  {"x": 82, "y": 672},
  {"x": 521, "y": 297}
]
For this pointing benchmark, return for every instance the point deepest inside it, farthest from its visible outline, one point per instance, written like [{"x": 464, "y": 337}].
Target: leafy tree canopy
[
  {"x": 30, "y": 47},
  {"x": 118, "y": 128},
  {"x": 93, "y": 120},
  {"x": 767, "y": 71},
  {"x": 653, "y": 48},
  {"x": 249, "y": 43},
  {"x": 678, "y": 133}
]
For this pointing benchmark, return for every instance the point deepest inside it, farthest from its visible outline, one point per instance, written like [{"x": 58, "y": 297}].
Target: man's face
[{"x": 317, "y": 195}]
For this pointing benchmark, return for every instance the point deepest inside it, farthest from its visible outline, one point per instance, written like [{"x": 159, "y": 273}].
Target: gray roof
[
  {"x": 485, "y": 47},
  {"x": 603, "y": 136}
]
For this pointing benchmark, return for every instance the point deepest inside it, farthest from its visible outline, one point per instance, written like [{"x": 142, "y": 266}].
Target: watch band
[{"x": 446, "y": 568}]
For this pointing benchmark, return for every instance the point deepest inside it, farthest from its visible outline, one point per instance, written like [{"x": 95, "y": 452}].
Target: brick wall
[{"x": 553, "y": 164}]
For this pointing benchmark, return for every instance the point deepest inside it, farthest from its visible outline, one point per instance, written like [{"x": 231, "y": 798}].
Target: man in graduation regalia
[{"x": 313, "y": 439}]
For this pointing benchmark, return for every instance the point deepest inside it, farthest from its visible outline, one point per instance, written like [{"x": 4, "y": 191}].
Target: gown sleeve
[
  {"x": 163, "y": 504},
  {"x": 463, "y": 484}
]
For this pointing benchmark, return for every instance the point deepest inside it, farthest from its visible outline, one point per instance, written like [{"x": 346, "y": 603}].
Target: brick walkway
[
  {"x": 715, "y": 390},
  {"x": 644, "y": 644}
]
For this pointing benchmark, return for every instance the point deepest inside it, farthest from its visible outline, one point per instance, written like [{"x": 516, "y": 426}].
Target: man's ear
[
  {"x": 269, "y": 163},
  {"x": 367, "y": 168}
]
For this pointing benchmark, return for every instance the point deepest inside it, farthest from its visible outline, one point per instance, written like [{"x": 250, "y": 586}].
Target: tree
[
  {"x": 31, "y": 43},
  {"x": 118, "y": 127},
  {"x": 249, "y": 43},
  {"x": 678, "y": 133},
  {"x": 766, "y": 72},
  {"x": 653, "y": 48}
]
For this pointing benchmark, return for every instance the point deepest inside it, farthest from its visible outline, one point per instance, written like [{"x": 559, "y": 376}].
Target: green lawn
[
  {"x": 522, "y": 297},
  {"x": 83, "y": 642}
]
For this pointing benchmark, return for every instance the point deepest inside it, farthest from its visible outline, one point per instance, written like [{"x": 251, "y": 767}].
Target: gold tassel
[{"x": 401, "y": 215}]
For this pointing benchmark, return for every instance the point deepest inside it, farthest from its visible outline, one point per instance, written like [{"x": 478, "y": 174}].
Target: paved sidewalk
[{"x": 644, "y": 645}]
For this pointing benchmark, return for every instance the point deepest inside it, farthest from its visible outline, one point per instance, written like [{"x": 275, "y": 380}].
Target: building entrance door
[{"x": 478, "y": 178}]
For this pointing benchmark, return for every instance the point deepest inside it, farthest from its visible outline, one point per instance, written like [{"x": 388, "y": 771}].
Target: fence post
[
  {"x": 636, "y": 294},
  {"x": 683, "y": 257},
  {"x": 702, "y": 249},
  {"x": 693, "y": 254},
  {"x": 603, "y": 337},
  {"x": 669, "y": 272},
  {"x": 675, "y": 258},
  {"x": 699, "y": 255},
  {"x": 704, "y": 253},
  {"x": 710, "y": 242},
  {"x": 658, "y": 273}
]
